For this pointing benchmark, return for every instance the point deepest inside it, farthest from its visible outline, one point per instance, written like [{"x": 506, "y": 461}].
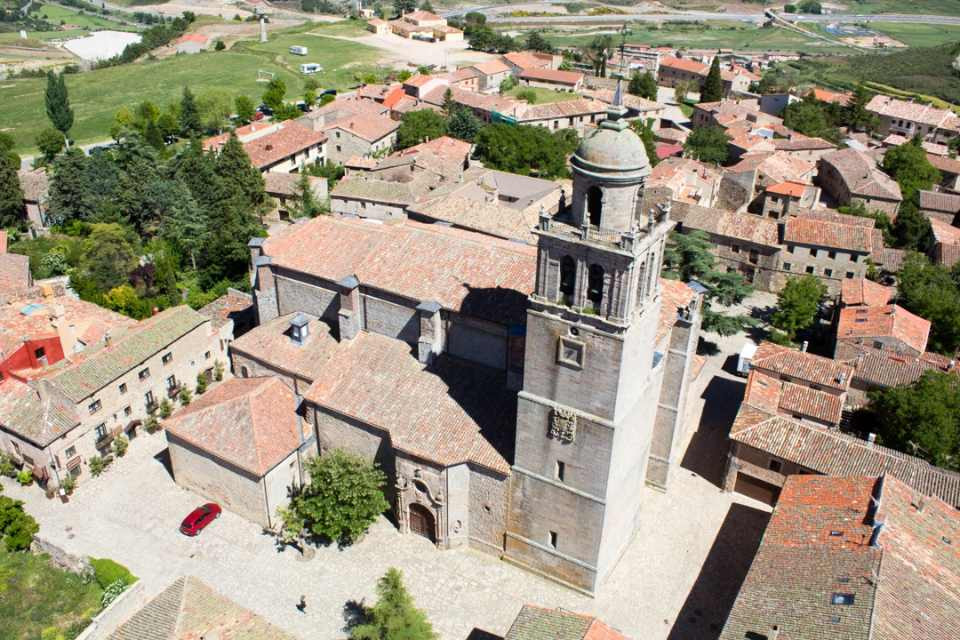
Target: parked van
[
  {"x": 310, "y": 67},
  {"x": 297, "y": 50},
  {"x": 745, "y": 357}
]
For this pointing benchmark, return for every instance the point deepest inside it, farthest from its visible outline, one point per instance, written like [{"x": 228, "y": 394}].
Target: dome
[{"x": 612, "y": 151}]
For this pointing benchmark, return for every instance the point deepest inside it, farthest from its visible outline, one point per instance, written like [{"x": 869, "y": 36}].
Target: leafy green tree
[
  {"x": 190, "y": 124},
  {"x": 50, "y": 142},
  {"x": 17, "y": 526},
  {"x": 797, "y": 305},
  {"x": 197, "y": 169},
  {"x": 241, "y": 180},
  {"x": 201, "y": 384},
  {"x": 426, "y": 6},
  {"x": 524, "y": 150},
  {"x": 536, "y": 42},
  {"x": 909, "y": 166},
  {"x": 11, "y": 195},
  {"x": 185, "y": 226},
  {"x": 343, "y": 498},
  {"x": 110, "y": 254},
  {"x": 394, "y": 616},
  {"x": 810, "y": 6},
  {"x": 305, "y": 203},
  {"x": 58, "y": 103},
  {"x": 809, "y": 118},
  {"x": 712, "y": 90},
  {"x": 420, "y": 126},
  {"x": 645, "y": 131},
  {"x": 929, "y": 291},
  {"x": 912, "y": 230},
  {"x": 71, "y": 189},
  {"x": 643, "y": 85},
  {"x": 922, "y": 419},
  {"x": 142, "y": 193},
  {"x": 245, "y": 109},
  {"x": 855, "y": 114},
  {"x": 463, "y": 124},
  {"x": 215, "y": 108},
  {"x": 708, "y": 144},
  {"x": 274, "y": 95},
  {"x": 401, "y": 7},
  {"x": 7, "y": 144}
]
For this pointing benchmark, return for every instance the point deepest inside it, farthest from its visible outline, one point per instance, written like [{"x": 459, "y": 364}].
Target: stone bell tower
[{"x": 591, "y": 376}]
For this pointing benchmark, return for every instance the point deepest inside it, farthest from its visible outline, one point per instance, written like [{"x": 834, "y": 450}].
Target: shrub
[
  {"x": 219, "y": 46},
  {"x": 17, "y": 527},
  {"x": 113, "y": 590},
  {"x": 185, "y": 396},
  {"x": 152, "y": 425},
  {"x": 218, "y": 371},
  {"x": 527, "y": 94},
  {"x": 201, "y": 384},
  {"x": 7, "y": 467},
  {"x": 25, "y": 477},
  {"x": 107, "y": 572},
  {"x": 97, "y": 465},
  {"x": 165, "y": 409},
  {"x": 120, "y": 445},
  {"x": 68, "y": 484}
]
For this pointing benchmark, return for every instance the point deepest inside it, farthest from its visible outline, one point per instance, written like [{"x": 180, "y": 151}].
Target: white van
[
  {"x": 310, "y": 67},
  {"x": 297, "y": 50},
  {"x": 744, "y": 358}
]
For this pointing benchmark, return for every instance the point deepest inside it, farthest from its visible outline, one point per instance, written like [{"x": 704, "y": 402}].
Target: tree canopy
[
  {"x": 11, "y": 195},
  {"x": 810, "y": 118},
  {"x": 645, "y": 131},
  {"x": 797, "y": 305},
  {"x": 909, "y": 166},
  {"x": 420, "y": 126},
  {"x": 931, "y": 292},
  {"x": 17, "y": 527},
  {"x": 394, "y": 616},
  {"x": 708, "y": 144},
  {"x": 524, "y": 150},
  {"x": 58, "y": 103},
  {"x": 712, "y": 90},
  {"x": 643, "y": 85}
]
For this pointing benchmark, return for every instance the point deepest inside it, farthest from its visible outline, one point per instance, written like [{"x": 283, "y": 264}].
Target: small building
[
  {"x": 35, "y": 185},
  {"x": 378, "y": 26},
  {"x": 571, "y": 81},
  {"x": 911, "y": 119},
  {"x": 191, "y": 43},
  {"x": 940, "y": 205},
  {"x": 520, "y": 61},
  {"x": 888, "y": 328},
  {"x": 949, "y": 169},
  {"x": 539, "y": 623},
  {"x": 282, "y": 147},
  {"x": 946, "y": 243},
  {"x": 785, "y": 197},
  {"x": 578, "y": 114},
  {"x": 424, "y": 25},
  {"x": 285, "y": 186},
  {"x": 491, "y": 74},
  {"x": 689, "y": 181},
  {"x": 850, "y": 176},
  {"x": 242, "y": 445},
  {"x": 831, "y": 246},
  {"x": 673, "y": 71}
]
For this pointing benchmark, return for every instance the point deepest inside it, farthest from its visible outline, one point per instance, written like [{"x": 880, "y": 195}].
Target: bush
[
  {"x": 113, "y": 590},
  {"x": 165, "y": 409},
  {"x": 527, "y": 94},
  {"x": 107, "y": 572},
  {"x": 98, "y": 465},
  {"x": 201, "y": 384},
  {"x": 7, "y": 467},
  {"x": 17, "y": 527},
  {"x": 152, "y": 425},
  {"x": 185, "y": 396},
  {"x": 68, "y": 484},
  {"x": 218, "y": 371},
  {"x": 25, "y": 477},
  {"x": 120, "y": 444},
  {"x": 219, "y": 46}
]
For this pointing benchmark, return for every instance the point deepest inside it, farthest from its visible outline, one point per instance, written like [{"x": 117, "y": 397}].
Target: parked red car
[{"x": 199, "y": 518}]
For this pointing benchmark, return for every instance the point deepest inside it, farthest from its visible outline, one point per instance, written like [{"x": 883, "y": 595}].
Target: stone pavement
[{"x": 676, "y": 580}]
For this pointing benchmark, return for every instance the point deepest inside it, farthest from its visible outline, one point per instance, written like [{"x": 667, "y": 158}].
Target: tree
[
  {"x": 929, "y": 291},
  {"x": 643, "y": 85},
  {"x": 11, "y": 195},
  {"x": 245, "y": 109},
  {"x": 856, "y": 115},
  {"x": 274, "y": 95},
  {"x": 797, "y": 305},
  {"x": 110, "y": 254},
  {"x": 426, "y": 6},
  {"x": 708, "y": 144},
  {"x": 58, "y": 104},
  {"x": 909, "y": 166},
  {"x": 186, "y": 225},
  {"x": 713, "y": 86},
  {"x": 912, "y": 230},
  {"x": 536, "y": 42},
  {"x": 71, "y": 190},
  {"x": 682, "y": 88},
  {"x": 645, "y": 131},
  {"x": 190, "y": 124},
  {"x": 810, "y": 6},
  {"x": 524, "y": 150},
  {"x": 420, "y": 126},
  {"x": 240, "y": 179},
  {"x": 922, "y": 419},
  {"x": 809, "y": 118},
  {"x": 305, "y": 203},
  {"x": 17, "y": 526},
  {"x": 215, "y": 108},
  {"x": 394, "y": 617},
  {"x": 7, "y": 144},
  {"x": 598, "y": 53},
  {"x": 402, "y": 7},
  {"x": 50, "y": 142},
  {"x": 463, "y": 124},
  {"x": 342, "y": 499}
]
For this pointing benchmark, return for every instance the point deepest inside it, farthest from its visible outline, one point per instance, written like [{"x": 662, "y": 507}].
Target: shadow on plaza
[
  {"x": 709, "y": 602},
  {"x": 707, "y": 452}
]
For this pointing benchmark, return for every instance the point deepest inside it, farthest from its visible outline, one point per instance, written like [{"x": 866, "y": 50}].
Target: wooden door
[{"x": 422, "y": 522}]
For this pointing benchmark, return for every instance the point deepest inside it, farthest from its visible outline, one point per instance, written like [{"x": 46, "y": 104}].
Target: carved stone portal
[{"x": 563, "y": 425}]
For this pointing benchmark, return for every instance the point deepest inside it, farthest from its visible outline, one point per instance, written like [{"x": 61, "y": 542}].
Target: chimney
[
  {"x": 871, "y": 439},
  {"x": 300, "y": 329},
  {"x": 804, "y": 345},
  {"x": 106, "y": 338},
  {"x": 349, "y": 314},
  {"x": 431, "y": 339}
]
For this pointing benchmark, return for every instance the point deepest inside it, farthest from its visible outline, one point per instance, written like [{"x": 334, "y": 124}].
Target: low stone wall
[
  {"x": 61, "y": 558},
  {"x": 120, "y": 610}
]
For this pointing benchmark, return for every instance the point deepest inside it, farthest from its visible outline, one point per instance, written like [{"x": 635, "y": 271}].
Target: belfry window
[
  {"x": 595, "y": 286},
  {"x": 594, "y": 205},
  {"x": 568, "y": 279}
]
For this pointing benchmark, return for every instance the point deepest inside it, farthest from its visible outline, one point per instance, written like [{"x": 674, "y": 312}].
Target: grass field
[
  {"x": 38, "y": 600},
  {"x": 938, "y": 7},
  {"x": 714, "y": 34},
  {"x": 58, "y": 14},
  {"x": 919, "y": 35},
  {"x": 544, "y": 96},
  {"x": 97, "y": 95}
]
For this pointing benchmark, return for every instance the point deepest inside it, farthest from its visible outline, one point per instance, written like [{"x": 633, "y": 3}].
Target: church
[{"x": 518, "y": 397}]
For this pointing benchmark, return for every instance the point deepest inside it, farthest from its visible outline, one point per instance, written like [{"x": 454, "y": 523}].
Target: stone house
[
  {"x": 690, "y": 181},
  {"x": 942, "y": 206},
  {"x": 282, "y": 147},
  {"x": 72, "y": 412},
  {"x": 424, "y": 25},
  {"x": 558, "y": 624},
  {"x": 363, "y": 135},
  {"x": 578, "y": 114},
  {"x": 520, "y": 61},
  {"x": 571, "y": 81},
  {"x": 849, "y": 176},
  {"x": 910, "y": 119},
  {"x": 786, "y": 197},
  {"x": 286, "y": 186},
  {"x": 889, "y": 328},
  {"x": 252, "y": 479},
  {"x": 672, "y": 71},
  {"x": 946, "y": 243},
  {"x": 949, "y": 169},
  {"x": 36, "y": 189},
  {"x": 737, "y": 80},
  {"x": 831, "y": 246},
  {"x": 378, "y": 27},
  {"x": 491, "y": 74}
]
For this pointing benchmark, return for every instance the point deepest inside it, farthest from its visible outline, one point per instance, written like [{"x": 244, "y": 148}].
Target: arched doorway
[
  {"x": 422, "y": 522},
  {"x": 594, "y": 205}
]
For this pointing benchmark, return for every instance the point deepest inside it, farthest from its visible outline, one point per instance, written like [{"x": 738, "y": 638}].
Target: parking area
[{"x": 677, "y": 579}]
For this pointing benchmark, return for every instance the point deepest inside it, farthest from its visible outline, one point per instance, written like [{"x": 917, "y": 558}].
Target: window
[
  {"x": 148, "y": 400},
  {"x": 244, "y": 372},
  {"x": 570, "y": 352},
  {"x": 811, "y": 270},
  {"x": 552, "y": 540},
  {"x": 842, "y": 598},
  {"x": 775, "y": 465},
  {"x": 787, "y": 266},
  {"x": 94, "y": 407},
  {"x": 39, "y": 353},
  {"x": 568, "y": 279},
  {"x": 789, "y": 248},
  {"x": 595, "y": 286},
  {"x": 144, "y": 374},
  {"x": 594, "y": 205},
  {"x": 127, "y": 410},
  {"x": 70, "y": 452},
  {"x": 828, "y": 272},
  {"x": 832, "y": 255},
  {"x": 100, "y": 432},
  {"x": 849, "y": 275},
  {"x": 171, "y": 383},
  {"x": 560, "y": 470},
  {"x": 167, "y": 358},
  {"x": 877, "y": 344},
  {"x": 123, "y": 387},
  {"x": 735, "y": 248},
  {"x": 338, "y": 146},
  {"x": 206, "y": 356},
  {"x": 814, "y": 252}
]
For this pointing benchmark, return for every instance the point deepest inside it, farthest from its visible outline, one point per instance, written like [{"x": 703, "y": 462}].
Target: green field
[
  {"x": 544, "y": 96},
  {"x": 58, "y": 14},
  {"x": 38, "y": 600},
  {"x": 34, "y": 38},
  {"x": 919, "y": 35},
  {"x": 938, "y": 7},
  {"x": 97, "y": 95}
]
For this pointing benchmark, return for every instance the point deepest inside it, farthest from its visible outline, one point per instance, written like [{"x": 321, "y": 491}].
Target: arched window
[
  {"x": 594, "y": 205},
  {"x": 244, "y": 372},
  {"x": 595, "y": 286},
  {"x": 568, "y": 279}
]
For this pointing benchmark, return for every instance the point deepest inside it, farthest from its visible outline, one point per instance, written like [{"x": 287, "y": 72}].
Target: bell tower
[{"x": 591, "y": 375}]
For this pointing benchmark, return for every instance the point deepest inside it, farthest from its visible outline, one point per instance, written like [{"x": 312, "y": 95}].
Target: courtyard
[{"x": 677, "y": 579}]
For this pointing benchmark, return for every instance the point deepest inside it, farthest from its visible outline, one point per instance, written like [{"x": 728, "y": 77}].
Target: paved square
[{"x": 676, "y": 580}]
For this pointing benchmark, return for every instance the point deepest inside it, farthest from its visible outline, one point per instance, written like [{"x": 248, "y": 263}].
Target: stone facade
[{"x": 343, "y": 144}]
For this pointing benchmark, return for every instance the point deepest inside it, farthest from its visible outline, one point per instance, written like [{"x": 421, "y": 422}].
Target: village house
[
  {"x": 788, "y": 424},
  {"x": 285, "y": 187},
  {"x": 54, "y": 418},
  {"x": 858, "y": 556},
  {"x": 491, "y": 74},
  {"x": 736, "y": 80},
  {"x": 378, "y": 27},
  {"x": 571, "y": 81},
  {"x": 466, "y": 78},
  {"x": 783, "y": 198},
  {"x": 355, "y": 128},
  {"x": 689, "y": 181},
  {"x": 15, "y": 276},
  {"x": 423, "y": 25},
  {"x": 282, "y": 147},
  {"x": 940, "y": 205},
  {"x": 577, "y": 114},
  {"x": 884, "y": 327},
  {"x": 831, "y": 246},
  {"x": 849, "y": 177},
  {"x": 946, "y": 243},
  {"x": 536, "y": 623},
  {"x": 673, "y": 71},
  {"x": 35, "y": 185},
  {"x": 648, "y": 111},
  {"x": 949, "y": 169},
  {"x": 911, "y": 119},
  {"x": 191, "y": 43},
  {"x": 520, "y": 61}
]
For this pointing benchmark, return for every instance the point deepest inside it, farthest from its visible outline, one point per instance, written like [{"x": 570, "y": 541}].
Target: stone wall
[
  {"x": 119, "y": 611},
  {"x": 367, "y": 208},
  {"x": 61, "y": 558},
  {"x": 488, "y": 510}
]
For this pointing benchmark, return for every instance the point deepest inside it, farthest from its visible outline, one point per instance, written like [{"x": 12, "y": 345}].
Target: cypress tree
[
  {"x": 713, "y": 86},
  {"x": 71, "y": 193},
  {"x": 241, "y": 180},
  {"x": 58, "y": 104},
  {"x": 189, "y": 114},
  {"x": 11, "y": 195}
]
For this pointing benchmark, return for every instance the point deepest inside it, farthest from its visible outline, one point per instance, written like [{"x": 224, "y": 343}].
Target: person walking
[{"x": 302, "y": 605}]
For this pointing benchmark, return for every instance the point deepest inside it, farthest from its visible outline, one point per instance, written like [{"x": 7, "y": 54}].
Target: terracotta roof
[
  {"x": 742, "y": 226},
  {"x": 367, "y": 126},
  {"x": 860, "y": 291},
  {"x": 821, "y": 233},
  {"x": 939, "y": 201},
  {"x": 268, "y": 149},
  {"x": 192, "y": 37},
  {"x": 819, "y": 544},
  {"x": 445, "y": 146},
  {"x": 875, "y": 368},
  {"x": 227, "y": 307},
  {"x": 675, "y": 296},
  {"x": 943, "y": 232},
  {"x": 463, "y": 271},
  {"x": 422, "y": 16},
  {"x": 831, "y": 96},
  {"x": 527, "y": 60},
  {"x": 665, "y": 151},
  {"x": 419, "y": 80},
  {"x": 945, "y": 164},
  {"x": 540, "y": 623},
  {"x": 14, "y": 273},
  {"x": 912, "y": 111},
  {"x": 775, "y": 167},
  {"x": 861, "y": 175},
  {"x": 560, "y": 109},
  {"x": 491, "y": 67},
  {"x": 553, "y": 75},
  {"x": 802, "y": 143},
  {"x": 448, "y": 412},
  {"x": 800, "y": 365},
  {"x": 190, "y": 609},
  {"x": 35, "y": 185},
  {"x": 789, "y": 188},
  {"x": 684, "y": 64},
  {"x": 41, "y": 419},
  {"x": 889, "y": 321},
  {"x": 248, "y": 422}
]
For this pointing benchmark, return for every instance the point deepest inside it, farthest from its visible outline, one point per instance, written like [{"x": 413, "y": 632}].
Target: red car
[{"x": 199, "y": 518}]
